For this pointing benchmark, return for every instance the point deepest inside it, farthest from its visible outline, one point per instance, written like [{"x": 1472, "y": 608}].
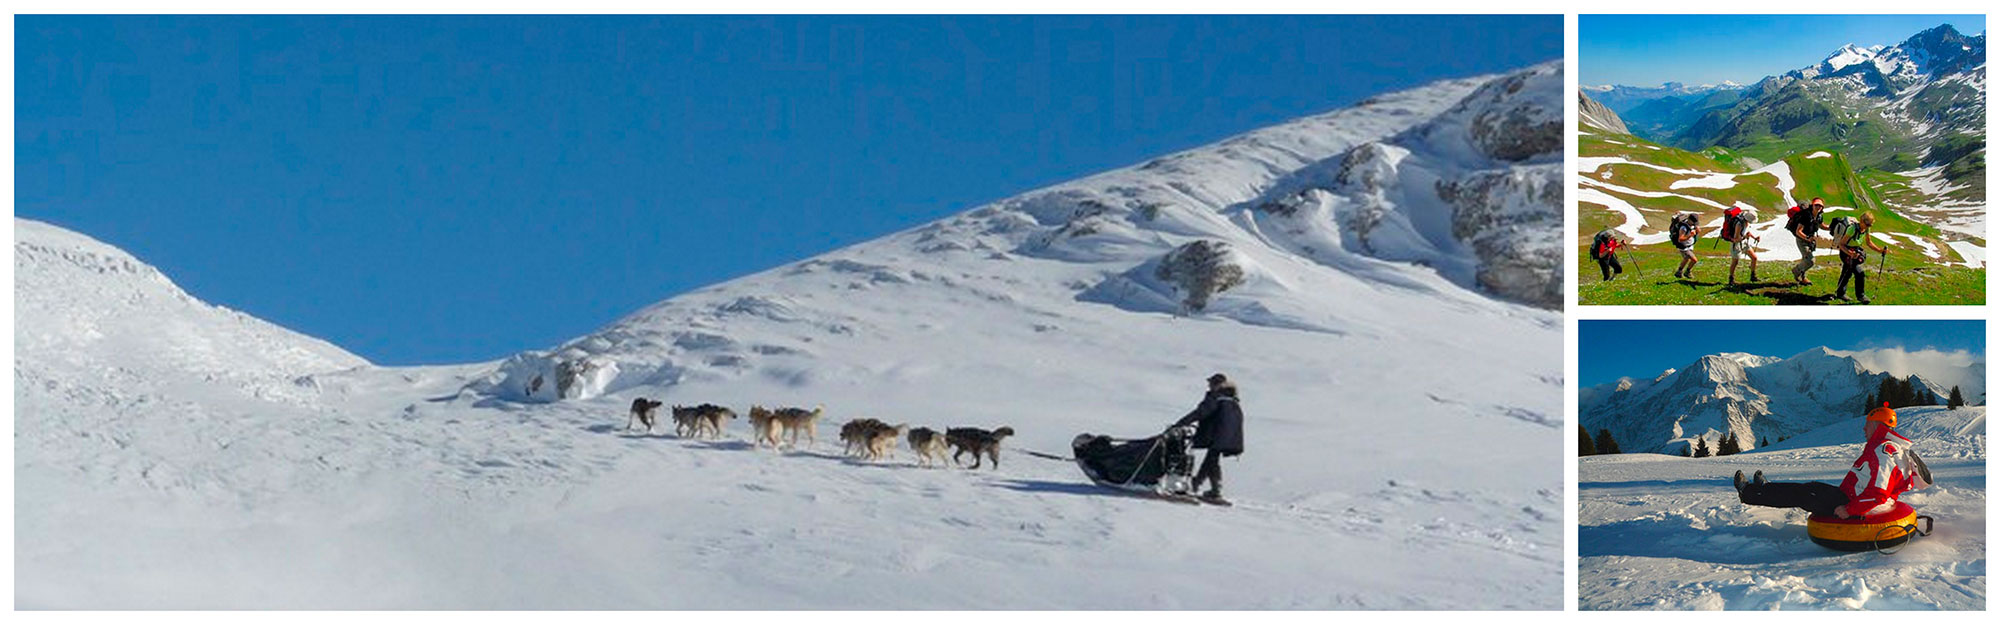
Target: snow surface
[
  {"x": 1659, "y": 532},
  {"x": 1396, "y": 417},
  {"x": 1973, "y": 254}
]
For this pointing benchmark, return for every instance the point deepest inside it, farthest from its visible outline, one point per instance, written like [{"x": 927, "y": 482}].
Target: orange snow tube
[{"x": 1874, "y": 532}]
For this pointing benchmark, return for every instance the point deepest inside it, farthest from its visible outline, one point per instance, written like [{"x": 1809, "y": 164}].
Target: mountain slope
[
  {"x": 1754, "y": 397},
  {"x": 1402, "y": 410}
]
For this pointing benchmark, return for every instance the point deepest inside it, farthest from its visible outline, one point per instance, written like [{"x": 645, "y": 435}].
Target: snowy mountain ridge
[
  {"x": 1449, "y": 191},
  {"x": 1754, "y": 397}
]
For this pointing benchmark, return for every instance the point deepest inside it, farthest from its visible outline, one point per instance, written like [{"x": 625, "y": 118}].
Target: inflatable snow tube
[{"x": 1870, "y": 533}]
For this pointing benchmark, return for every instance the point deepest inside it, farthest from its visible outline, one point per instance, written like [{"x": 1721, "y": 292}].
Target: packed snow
[
  {"x": 1663, "y": 532},
  {"x": 276, "y": 471}
]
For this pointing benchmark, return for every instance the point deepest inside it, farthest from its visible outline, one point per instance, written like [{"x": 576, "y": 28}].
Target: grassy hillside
[{"x": 1912, "y": 277}]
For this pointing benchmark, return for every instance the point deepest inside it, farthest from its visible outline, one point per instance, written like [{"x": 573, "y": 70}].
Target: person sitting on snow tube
[{"x": 1887, "y": 468}]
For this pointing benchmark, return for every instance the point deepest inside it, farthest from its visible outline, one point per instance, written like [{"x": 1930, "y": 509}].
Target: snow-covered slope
[
  {"x": 1754, "y": 397},
  {"x": 1403, "y": 410},
  {"x": 1667, "y": 533}
]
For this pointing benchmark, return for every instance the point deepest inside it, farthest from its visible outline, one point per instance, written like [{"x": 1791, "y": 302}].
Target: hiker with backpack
[
  {"x": 1604, "y": 250},
  {"x": 1849, "y": 236},
  {"x": 1804, "y": 222},
  {"x": 1682, "y": 233},
  {"x": 1736, "y": 230}
]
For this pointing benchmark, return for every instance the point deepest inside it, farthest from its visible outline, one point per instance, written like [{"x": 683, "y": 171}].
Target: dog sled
[{"x": 1159, "y": 466}]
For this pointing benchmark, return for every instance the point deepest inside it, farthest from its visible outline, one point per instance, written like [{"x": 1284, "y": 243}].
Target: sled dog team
[
  {"x": 1803, "y": 223},
  {"x": 866, "y": 437}
]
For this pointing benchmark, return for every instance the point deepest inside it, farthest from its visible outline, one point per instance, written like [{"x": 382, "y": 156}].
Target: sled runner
[{"x": 1160, "y": 466}]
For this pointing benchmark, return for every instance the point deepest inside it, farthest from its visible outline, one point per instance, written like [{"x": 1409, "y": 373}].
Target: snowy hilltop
[
  {"x": 1378, "y": 279},
  {"x": 1756, "y": 398},
  {"x": 1663, "y": 532}
]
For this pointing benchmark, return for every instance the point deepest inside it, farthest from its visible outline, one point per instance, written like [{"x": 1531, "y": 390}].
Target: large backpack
[
  {"x": 1733, "y": 223},
  {"x": 1598, "y": 243},
  {"x": 1839, "y": 227},
  {"x": 1683, "y": 228}
]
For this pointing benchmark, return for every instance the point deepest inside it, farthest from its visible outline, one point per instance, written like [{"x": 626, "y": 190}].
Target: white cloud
[{"x": 1961, "y": 368}]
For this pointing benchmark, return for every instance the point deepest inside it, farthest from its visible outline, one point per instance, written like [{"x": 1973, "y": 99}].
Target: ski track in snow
[{"x": 1661, "y": 532}]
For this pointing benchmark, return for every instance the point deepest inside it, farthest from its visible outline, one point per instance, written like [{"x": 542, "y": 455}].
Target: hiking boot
[
  {"x": 1840, "y": 296},
  {"x": 1759, "y": 479},
  {"x": 1739, "y": 480},
  {"x": 1863, "y": 300}
]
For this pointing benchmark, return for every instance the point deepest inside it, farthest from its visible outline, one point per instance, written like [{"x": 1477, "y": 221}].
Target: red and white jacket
[{"x": 1886, "y": 469}]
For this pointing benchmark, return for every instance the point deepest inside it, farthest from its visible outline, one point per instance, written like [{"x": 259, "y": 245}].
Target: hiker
[
  {"x": 1682, "y": 233},
  {"x": 1604, "y": 249},
  {"x": 1853, "y": 259},
  {"x": 1887, "y": 468},
  {"x": 1735, "y": 229},
  {"x": 1804, "y": 224},
  {"x": 1218, "y": 425}
]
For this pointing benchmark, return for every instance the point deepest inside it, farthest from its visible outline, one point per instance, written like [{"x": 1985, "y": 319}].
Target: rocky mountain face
[
  {"x": 1591, "y": 113},
  {"x": 1750, "y": 396}
]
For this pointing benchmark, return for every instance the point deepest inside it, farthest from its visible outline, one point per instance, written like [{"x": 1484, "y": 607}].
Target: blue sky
[
  {"x": 1607, "y": 350},
  {"x": 451, "y": 189},
  {"x": 1646, "y": 50}
]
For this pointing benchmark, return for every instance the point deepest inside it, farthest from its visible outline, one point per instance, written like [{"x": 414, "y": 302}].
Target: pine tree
[
  {"x": 1605, "y": 444},
  {"x": 1728, "y": 445},
  {"x": 1906, "y": 392},
  {"x": 1701, "y": 447},
  {"x": 1886, "y": 395},
  {"x": 1584, "y": 446},
  {"x": 1870, "y": 406},
  {"x": 1763, "y": 441},
  {"x": 1957, "y": 399}
]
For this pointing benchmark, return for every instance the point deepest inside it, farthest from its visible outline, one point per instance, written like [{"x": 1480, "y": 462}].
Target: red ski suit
[{"x": 1886, "y": 469}]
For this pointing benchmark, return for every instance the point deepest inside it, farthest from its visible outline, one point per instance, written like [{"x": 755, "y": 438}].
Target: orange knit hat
[{"x": 1884, "y": 414}]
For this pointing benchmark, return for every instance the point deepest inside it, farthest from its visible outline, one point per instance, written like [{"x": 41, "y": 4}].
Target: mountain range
[{"x": 1757, "y": 398}]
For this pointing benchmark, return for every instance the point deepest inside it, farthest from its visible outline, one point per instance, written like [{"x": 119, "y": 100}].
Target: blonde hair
[{"x": 1867, "y": 219}]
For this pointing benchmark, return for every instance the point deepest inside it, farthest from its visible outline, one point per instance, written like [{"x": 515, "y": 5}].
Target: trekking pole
[
  {"x": 1635, "y": 262},
  {"x": 1883, "y": 267}
]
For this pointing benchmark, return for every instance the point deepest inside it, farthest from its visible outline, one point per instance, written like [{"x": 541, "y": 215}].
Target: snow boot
[
  {"x": 1759, "y": 479},
  {"x": 1739, "y": 480}
]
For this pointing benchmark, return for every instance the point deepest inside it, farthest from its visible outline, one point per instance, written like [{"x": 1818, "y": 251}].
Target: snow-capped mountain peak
[{"x": 1749, "y": 395}]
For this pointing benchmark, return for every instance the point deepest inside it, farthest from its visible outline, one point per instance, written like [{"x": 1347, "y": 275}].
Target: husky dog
[
  {"x": 686, "y": 423},
  {"x": 976, "y": 441},
  {"x": 928, "y": 444},
  {"x": 882, "y": 441},
  {"x": 794, "y": 420},
  {"x": 711, "y": 417},
  {"x": 763, "y": 427},
  {"x": 854, "y": 434},
  {"x": 642, "y": 411}
]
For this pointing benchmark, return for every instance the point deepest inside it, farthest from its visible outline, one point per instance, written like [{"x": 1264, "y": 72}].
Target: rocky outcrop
[
  {"x": 1590, "y": 113},
  {"x": 1505, "y": 216},
  {"x": 1200, "y": 270}
]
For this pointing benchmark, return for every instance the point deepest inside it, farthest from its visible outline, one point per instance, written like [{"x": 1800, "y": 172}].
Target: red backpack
[{"x": 1732, "y": 224}]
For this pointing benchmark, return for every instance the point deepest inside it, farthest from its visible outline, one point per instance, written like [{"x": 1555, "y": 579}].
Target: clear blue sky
[
  {"x": 451, "y": 189},
  {"x": 1646, "y": 50},
  {"x": 1608, "y": 350}
]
